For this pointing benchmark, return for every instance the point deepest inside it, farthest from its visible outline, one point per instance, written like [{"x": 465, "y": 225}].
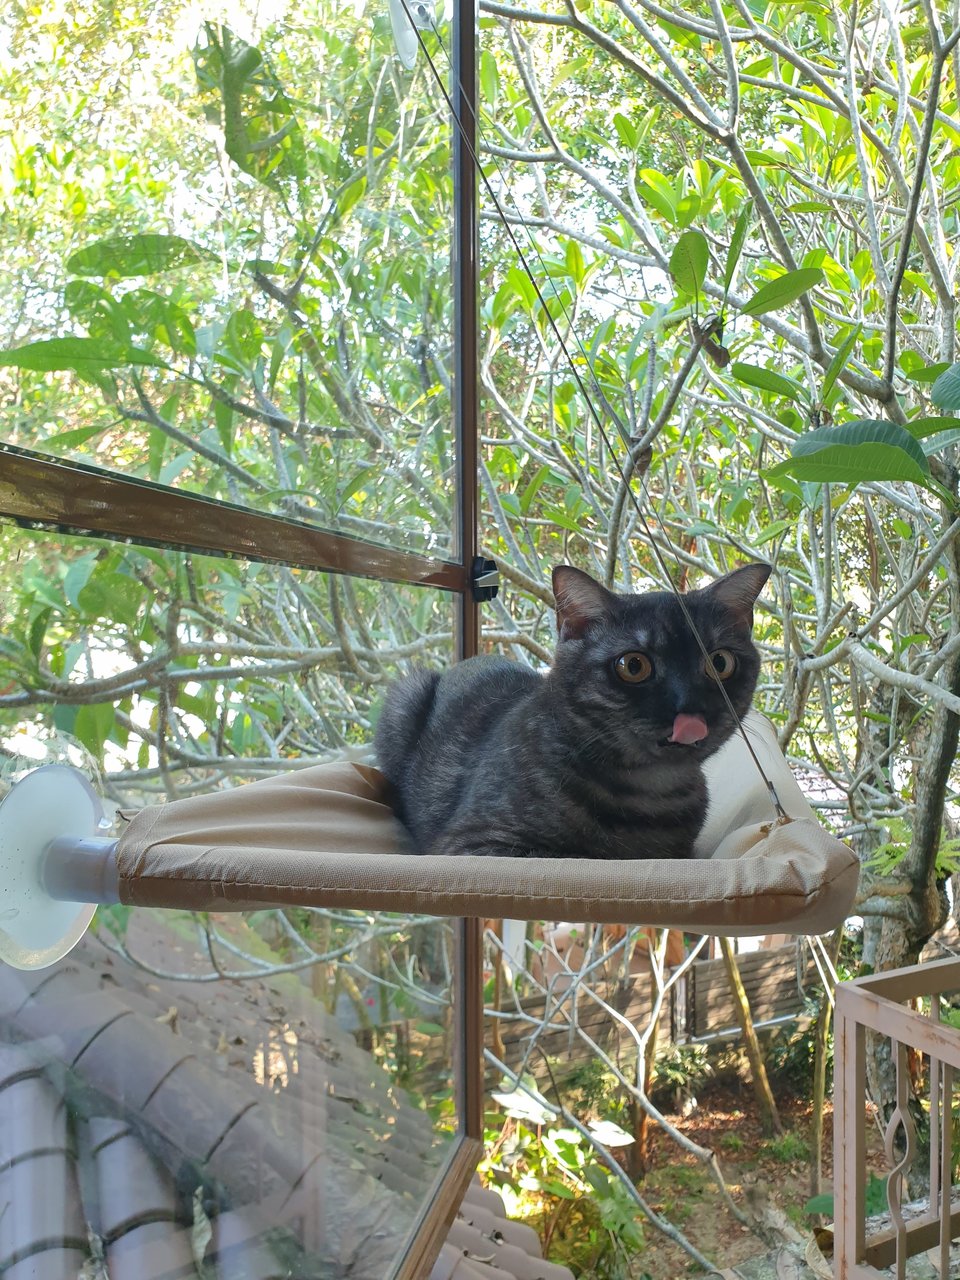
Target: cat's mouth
[{"x": 688, "y": 731}]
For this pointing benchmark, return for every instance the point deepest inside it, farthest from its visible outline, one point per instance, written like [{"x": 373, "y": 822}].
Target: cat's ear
[
  {"x": 738, "y": 591},
  {"x": 580, "y": 601}
]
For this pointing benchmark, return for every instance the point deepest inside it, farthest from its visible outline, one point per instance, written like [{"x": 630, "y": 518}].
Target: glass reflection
[
  {"x": 262, "y": 1094},
  {"x": 229, "y": 265}
]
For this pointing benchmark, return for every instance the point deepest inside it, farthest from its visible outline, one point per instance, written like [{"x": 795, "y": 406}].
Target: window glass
[
  {"x": 269, "y": 1092},
  {"x": 227, "y": 249}
]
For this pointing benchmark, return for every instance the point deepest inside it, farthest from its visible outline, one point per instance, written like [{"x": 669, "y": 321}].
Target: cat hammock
[{"x": 325, "y": 836}]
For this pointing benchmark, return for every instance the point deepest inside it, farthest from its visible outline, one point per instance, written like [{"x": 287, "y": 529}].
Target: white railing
[{"x": 879, "y": 1003}]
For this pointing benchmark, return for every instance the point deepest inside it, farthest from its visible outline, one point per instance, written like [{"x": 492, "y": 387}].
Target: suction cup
[
  {"x": 405, "y": 17},
  {"x": 52, "y": 803}
]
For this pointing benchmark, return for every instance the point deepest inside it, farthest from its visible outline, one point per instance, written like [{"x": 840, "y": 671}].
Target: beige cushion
[{"x": 325, "y": 836}]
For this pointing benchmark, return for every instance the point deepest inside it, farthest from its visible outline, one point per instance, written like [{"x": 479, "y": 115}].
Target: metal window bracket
[{"x": 484, "y": 579}]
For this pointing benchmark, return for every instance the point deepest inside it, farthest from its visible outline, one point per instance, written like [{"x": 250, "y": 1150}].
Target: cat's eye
[
  {"x": 721, "y": 664},
  {"x": 633, "y": 667}
]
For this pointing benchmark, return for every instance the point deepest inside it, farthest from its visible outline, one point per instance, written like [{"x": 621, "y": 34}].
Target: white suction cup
[
  {"x": 405, "y": 17},
  {"x": 53, "y": 802}
]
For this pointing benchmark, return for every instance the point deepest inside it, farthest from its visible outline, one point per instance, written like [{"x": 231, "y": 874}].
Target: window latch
[{"x": 484, "y": 579}]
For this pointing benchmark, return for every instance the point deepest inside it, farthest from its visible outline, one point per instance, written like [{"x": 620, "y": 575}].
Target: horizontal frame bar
[{"x": 44, "y": 493}]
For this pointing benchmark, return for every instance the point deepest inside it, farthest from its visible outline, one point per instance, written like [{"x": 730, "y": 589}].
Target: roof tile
[{"x": 337, "y": 1155}]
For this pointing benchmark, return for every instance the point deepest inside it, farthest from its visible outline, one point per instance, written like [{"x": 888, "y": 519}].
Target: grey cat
[{"x": 602, "y": 756}]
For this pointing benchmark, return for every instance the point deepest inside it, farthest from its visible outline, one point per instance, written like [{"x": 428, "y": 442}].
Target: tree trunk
[
  {"x": 895, "y": 940},
  {"x": 769, "y": 1116},
  {"x": 820, "y": 1074}
]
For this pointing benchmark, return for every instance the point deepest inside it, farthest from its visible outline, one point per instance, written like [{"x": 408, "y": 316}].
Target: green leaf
[
  {"x": 945, "y": 440},
  {"x": 78, "y": 436},
  {"x": 574, "y": 262},
  {"x": 96, "y": 310},
  {"x": 920, "y": 427},
  {"x": 489, "y": 78},
  {"x": 38, "y": 630},
  {"x": 820, "y": 1204},
  {"x": 242, "y": 93},
  {"x": 530, "y": 492},
  {"x": 136, "y": 255},
  {"x": 93, "y": 725},
  {"x": 354, "y": 485},
  {"x": 430, "y": 1028},
  {"x": 657, "y": 191},
  {"x": 839, "y": 361},
  {"x": 689, "y": 262},
  {"x": 855, "y": 452},
  {"x": 737, "y": 241},
  {"x": 945, "y": 392},
  {"x": 114, "y": 596},
  {"x": 782, "y": 291},
  {"x": 77, "y": 577},
  {"x": 688, "y": 206},
  {"x": 243, "y": 336},
  {"x": 551, "y": 1186},
  {"x": 352, "y": 195},
  {"x": 159, "y": 318},
  {"x": 773, "y": 531},
  {"x": 626, "y": 131},
  {"x": 927, "y": 372},
  {"x": 767, "y": 380},
  {"x": 82, "y": 355}
]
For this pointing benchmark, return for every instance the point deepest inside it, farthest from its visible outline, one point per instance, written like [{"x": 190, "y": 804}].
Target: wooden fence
[{"x": 698, "y": 1009}]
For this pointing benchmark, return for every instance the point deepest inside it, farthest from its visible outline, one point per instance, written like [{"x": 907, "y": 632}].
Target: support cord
[{"x": 467, "y": 142}]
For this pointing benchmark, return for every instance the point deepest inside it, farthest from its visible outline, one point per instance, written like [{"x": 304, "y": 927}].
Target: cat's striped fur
[{"x": 598, "y": 758}]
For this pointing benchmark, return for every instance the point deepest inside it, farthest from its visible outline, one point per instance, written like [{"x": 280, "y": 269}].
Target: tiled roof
[{"x": 128, "y": 1146}]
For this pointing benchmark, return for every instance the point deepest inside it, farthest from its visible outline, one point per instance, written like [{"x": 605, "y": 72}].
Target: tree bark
[
  {"x": 824, "y": 1019},
  {"x": 769, "y": 1116}
]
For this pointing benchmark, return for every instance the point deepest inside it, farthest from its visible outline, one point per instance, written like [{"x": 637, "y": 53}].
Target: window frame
[{"x": 41, "y": 492}]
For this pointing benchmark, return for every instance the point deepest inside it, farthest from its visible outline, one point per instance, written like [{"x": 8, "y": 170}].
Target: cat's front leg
[{"x": 460, "y": 842}]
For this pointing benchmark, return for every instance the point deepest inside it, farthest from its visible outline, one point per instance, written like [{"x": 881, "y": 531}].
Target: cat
[{"x": 601, "y": 757}]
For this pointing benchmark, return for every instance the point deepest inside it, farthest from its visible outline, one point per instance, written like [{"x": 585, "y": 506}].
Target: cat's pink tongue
[{"x": 688, "y": 730}]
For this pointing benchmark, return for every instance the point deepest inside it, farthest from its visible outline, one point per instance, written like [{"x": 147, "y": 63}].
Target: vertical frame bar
[
  {"x": 468, "y": 938},
  {"x": 465, "y": 249},
  {"x": 466, "y": 252},
  {"x": 897, "y": 1181},
  {"x": 946, "y": 1162},
  {"x": 849, "y": 1144},
  {"x": 935, "y": 1118}
]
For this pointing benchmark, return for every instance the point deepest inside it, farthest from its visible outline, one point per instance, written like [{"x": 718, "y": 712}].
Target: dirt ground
[{"x": 680, "y": 1189}]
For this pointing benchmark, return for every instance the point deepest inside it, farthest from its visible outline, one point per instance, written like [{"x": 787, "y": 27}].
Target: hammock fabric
[{"x": 325, "y": 836}]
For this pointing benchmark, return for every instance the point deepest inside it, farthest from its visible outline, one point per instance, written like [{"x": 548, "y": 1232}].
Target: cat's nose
[{"x": 688, "y": 730}]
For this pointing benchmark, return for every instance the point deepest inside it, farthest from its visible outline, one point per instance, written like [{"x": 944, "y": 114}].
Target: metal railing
[{"x": 879, "y": 1003}]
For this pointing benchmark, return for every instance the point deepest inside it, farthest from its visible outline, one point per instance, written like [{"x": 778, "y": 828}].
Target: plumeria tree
[{"x": 718, "y": 323}]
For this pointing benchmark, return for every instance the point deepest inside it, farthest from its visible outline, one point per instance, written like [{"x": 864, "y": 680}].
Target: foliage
[
  {"x": 891, "y": 853},
  {"x": 555, "y": 1177},
  {"x": 790, "y": 1056},
  {"x": 875, "y": 1199},
  {"x": 681, "y": 1067},
  {"x": 789, "y": 1148}
]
